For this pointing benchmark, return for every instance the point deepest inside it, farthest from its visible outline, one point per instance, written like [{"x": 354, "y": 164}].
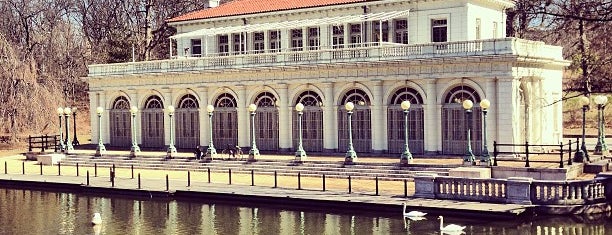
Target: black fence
[
  {"x": 43, "y": 142},
  {"x": 562, "y": 149}
]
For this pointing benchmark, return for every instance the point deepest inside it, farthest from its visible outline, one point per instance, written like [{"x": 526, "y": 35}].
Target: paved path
[{"x": 202, "y": 190}]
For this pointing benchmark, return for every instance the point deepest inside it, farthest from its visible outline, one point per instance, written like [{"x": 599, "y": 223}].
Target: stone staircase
[{"x": 384, "y": 171}]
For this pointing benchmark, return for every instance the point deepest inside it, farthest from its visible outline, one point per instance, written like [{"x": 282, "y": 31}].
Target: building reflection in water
[{"x": 35, "y": 212}]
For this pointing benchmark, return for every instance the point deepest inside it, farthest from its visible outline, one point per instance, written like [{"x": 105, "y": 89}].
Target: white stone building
[{"x": 324, "y": 53}]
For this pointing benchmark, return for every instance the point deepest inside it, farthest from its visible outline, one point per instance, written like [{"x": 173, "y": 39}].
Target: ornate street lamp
[
  {"x": 67, "y": 113},
  {"x": 100, "y": 148},
  {"x": 486, "y": 158},
  {"x": 469, "y": 155},
  {"x": 211, "y": 152},
  {"x": 254, "y": 151},
  {"x": 135, "y": 149},
  {"x": 300, "y": 154},
  {"x": 75, "y": 141},
  {"x": 581, "y": 153},
  {"x": 406, "y": 157},
  {"x": 171, "y": 149},
  {"x": 351, "y": 155},
  {"x": 60, "y": 113},
  {"x": 601, "y": 148}
]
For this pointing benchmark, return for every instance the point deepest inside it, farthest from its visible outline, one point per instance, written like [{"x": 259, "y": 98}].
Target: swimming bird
[
  {"x": 453, "y": 228},
  {"x": 97, "y": 219},
  {"x": 412, "y": 213}
]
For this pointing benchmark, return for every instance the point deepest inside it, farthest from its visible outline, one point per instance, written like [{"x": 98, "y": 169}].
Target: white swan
[
  {"x": 97, "y": 219},
  {"x": 412, "y": 214},
  {"x": 452, "y": 228}
]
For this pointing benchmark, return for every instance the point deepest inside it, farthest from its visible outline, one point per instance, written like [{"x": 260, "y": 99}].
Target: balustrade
[{"x": 353, "y": 52}]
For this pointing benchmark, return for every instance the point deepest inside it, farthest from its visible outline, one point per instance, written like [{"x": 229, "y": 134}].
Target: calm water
[{"x": 35, "y": 212}]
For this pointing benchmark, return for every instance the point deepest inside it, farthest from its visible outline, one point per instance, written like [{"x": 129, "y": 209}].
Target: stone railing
[
  {"x": 518, "y": 190},
  {"x": 323, "y": 55}
]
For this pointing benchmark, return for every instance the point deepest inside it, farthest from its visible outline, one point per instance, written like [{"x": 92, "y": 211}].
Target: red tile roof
[{"x": 242, "y": 7}]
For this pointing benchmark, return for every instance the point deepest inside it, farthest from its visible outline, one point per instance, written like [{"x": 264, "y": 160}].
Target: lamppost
[
  {"x": 60, "y": 113},
  {"x": 351, "y": 155},
  {"x": 135, "y": 149},
  {"x": 75, "y": 141},
  {"x": 254, "y": 151},
  {"x": 601, "y": 148},
  {"x": 211, "y": 152},
  {"x": 100, "y": 148},
  {"x": 171, "y": 149},
  {"x": 486, "y": 158},
  {"x": 469, "y": 155},
  {"x": 67, "y": 112},
  {"x": 300, "y": 154},
  {"x": 581, "y": 153},
  {"x": 406, "y": 157}
]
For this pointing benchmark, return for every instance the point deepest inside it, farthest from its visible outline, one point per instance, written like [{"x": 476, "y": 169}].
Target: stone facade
[{"x": 521, "y": 78}]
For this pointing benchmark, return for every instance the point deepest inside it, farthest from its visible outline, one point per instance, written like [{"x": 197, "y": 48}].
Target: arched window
[
  {"x": 265, "y": 99},
  {"x": 188, "y": 102},
  {"x": 312, "y": 122},
  {"x": 154, "y": 102},
  {"x": 460, "y": 93},
  {"x": 357, "y": 96},
  {"x": 120, "y": 122},
  {"x": 225, "y": 121},
  {"x": 406, "y": 93},
  {"x": 266, "y": 127},
  {"x": 309, "y": 98},
  {"x": 361, "y": 122},
  {"x": 152, "y": 123},
  {"x": 456, "y": 121},
  {"x": 396, "y": 123},
  {"x": 225, "y": 100},
  {"x": 121, "y": 103}
]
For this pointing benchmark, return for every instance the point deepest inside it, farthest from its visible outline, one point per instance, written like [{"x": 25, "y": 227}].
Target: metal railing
[
  {"x": 562, "y": 148},
  {"x": 43, "y": 142}
]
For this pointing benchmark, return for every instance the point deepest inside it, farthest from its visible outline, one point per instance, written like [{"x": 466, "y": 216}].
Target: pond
[{"x": 36, "y": 212}]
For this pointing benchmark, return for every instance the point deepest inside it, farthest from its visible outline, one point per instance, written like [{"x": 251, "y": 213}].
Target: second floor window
[
  {"x": 258, "y": 42},
  {"x": 275, "y": 41},
  {"x": 439, "y": 30},
  {"x": 296, "y": 39},
  {"x": 196, "y": 47},
  {"x": 355, "y": 33},
  {"x": 376, "y": 30},
  {"x": 239, "y": 42},
  {"x": 338, "y": 36},
  {"x": 223, "y": 45},
  {"x": 313, "y": 38},
  {"x": 401, "y": 31}
]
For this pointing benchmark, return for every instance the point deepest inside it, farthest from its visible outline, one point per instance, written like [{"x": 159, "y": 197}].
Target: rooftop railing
[{"x": 366, "y": 52}]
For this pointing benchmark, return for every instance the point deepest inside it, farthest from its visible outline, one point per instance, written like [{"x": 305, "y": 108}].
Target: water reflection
[{"x": 35, "y": 212}]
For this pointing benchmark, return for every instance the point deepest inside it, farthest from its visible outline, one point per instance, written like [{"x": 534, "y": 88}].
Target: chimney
[{"x": 213, "y": 3}]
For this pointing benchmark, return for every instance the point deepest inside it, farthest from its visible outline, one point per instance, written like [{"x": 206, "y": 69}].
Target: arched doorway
[
  {"x": 396, "y": 122},
  {"x": 225, "y": 121},
  {"x": 266, "y": 119},
  {"x": 152, "y": 123},
  {"x": 454, "y": 130},
  {"x": 120, "y": 123},
  {"x": 312, "y": 122},
  {"x": 187, "y": 122},
  {"x": 361, "y": 122}
]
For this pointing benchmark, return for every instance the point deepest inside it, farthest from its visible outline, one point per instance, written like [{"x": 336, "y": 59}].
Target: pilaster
[
  {"x": 378, "y": 123},
  {"x": 203, "y": 93},
  {"x": 168, "y": 100},
  {"x": 329, "y": 129},
  {"x": 432, "y": 122},
  {"x": 243, "y": 117},
  {"x": 507, "y": 94},
  {"x": 284, "y": 118}
]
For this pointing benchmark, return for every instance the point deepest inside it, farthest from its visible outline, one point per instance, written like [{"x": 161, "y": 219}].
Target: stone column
[
  {"x": 432, "y": 118},
  {"x": 168, "y": 100},
  {"x": 518, "y": 190},
  {"x": 284, "y": 118},
  {"x": 203, "y": 93},
  {"x": 324, "y": 36},
  {"x": 135, "y": 101},
  {"x": 507, "y": 92},
  {"x": 329, "y": 122},
  {"x": 285, "y": 39},
  {"x": 243, "y": 117},
  {"x": 378, "y": 124},
  {"x": 266, "y": 41}
]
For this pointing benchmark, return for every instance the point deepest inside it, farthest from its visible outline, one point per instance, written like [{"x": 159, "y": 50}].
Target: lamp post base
[
  {"x": 135, "y": 149},
  {"x": 99, "y": 150},
  {"x": 406, "y": 158},
  {"x": 579, "y": 156},
  {"x": 252, "y": 154},
  {"x": 170, "y": 152},
  {"x": 300, "y": 155},
  {"x": 350, "y": 157},
  {"x": 485, "y": 159},
  {"x": 211, "y": 153},
  {"x": 469, "y": 159}
]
